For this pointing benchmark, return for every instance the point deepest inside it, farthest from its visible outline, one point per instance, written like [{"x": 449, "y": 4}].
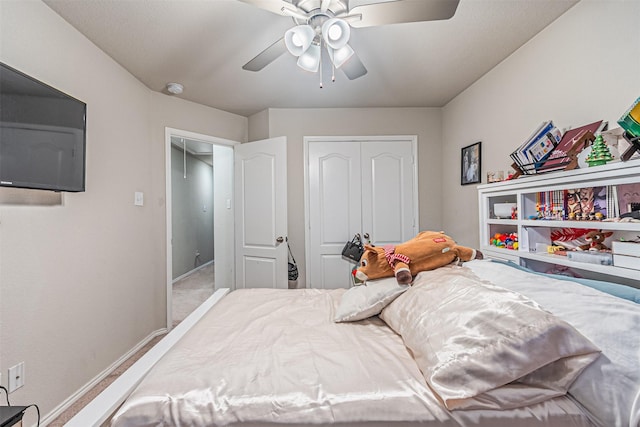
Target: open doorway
[
  {"x": 193, "y": 273},
  {"x": 199, "y": 220}
]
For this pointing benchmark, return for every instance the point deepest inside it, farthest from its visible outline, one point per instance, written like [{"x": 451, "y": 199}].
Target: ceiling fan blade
[
  {"x": 402, "y": 11},
  {"x": 274, "y": 6},
  {"x": 266, "y": 57},
  {"x": 324, "y": 5},
  {"x": 354, "y": 68}
]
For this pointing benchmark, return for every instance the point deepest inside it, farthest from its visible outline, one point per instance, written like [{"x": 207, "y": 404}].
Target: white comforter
[{"x": 276, "y": 357}]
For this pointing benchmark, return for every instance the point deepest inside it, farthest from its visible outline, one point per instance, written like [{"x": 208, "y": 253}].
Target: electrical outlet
[{"x": 16, "y": 377}]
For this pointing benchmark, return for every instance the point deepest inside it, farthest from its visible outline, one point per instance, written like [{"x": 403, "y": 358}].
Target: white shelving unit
[{"x": 523, "y": 192}]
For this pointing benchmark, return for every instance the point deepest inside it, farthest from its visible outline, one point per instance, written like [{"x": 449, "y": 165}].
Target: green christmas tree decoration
[{"x": 600, "y": 153}]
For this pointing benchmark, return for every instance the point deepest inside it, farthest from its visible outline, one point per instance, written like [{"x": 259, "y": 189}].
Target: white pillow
[
  {"x": 484, "y": 347},
  {"x": 363, "y": 301},
  {"x": 609, "y": 389}
]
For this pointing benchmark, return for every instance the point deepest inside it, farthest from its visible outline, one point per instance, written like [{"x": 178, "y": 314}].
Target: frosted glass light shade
[
  {"x": 340, "y": 56},
  {"x": 310, "y": 59},
  {"x": 298, "y": 39},
  {"x": 336, "y": 33}
]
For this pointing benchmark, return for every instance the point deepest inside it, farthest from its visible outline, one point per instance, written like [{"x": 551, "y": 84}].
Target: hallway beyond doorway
[{"x": 191, "y": 291}]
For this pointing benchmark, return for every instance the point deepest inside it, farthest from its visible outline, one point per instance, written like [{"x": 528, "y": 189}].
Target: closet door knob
[{"x": 280, "y": 239}]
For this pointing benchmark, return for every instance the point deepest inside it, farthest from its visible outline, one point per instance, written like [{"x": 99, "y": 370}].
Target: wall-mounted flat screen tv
[{"x": 42, "y": 135}]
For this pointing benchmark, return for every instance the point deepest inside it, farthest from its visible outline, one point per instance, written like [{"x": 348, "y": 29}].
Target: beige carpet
[
  {"x": 62, "y": 419},
  {"x": 188, "y": 294},
  {"x": 191, "y": 291}
]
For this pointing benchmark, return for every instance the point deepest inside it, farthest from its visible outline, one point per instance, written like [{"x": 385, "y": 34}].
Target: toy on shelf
[
  {"x": 595, "y": 239},
  {"x": 505, "y": 240},
  {"x": 550, "y": 205},
  {"x": 600, "y": 153},
  {"x": 630, "y": 122},
  {"x": 556, "y": 250}
]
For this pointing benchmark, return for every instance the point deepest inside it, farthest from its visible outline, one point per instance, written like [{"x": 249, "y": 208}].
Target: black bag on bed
[{"x": 353, "y": 250}]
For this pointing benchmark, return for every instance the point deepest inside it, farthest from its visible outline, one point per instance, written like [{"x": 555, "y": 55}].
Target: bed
[{"x": 482, "y": 344}]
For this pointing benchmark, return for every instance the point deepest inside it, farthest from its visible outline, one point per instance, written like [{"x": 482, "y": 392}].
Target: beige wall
[
  {"x": 298, "y": 123},
  {"x": 581, "y": 68},
  {"x": 259, "y": 126},
  {"x": 82, "y": 283}
]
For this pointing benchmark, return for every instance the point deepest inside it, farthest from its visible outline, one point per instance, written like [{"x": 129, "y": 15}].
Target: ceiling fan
[{"x": 327, "y": 24}]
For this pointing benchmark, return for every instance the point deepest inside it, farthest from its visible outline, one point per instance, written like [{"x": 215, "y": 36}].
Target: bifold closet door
[
  {"x": 365, "y": 187},
  {"x": 334, "y": 210}
]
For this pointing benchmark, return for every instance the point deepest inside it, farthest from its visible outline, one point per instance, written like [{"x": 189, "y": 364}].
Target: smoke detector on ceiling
[{"x": 175, "y": 88}]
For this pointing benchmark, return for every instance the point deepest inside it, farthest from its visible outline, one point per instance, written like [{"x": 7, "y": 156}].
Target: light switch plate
[
  {"x": 138, "y": 198},
  {"x": 16, "y": 377}
]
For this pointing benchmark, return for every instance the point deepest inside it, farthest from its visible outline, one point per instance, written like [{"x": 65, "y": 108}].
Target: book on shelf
[
  {"x": 521, "y": 154},
  {"x": 551, "y": 205},
  {"x": 537, "y": 147},
  {"x": 543, "y": 147},
  {"x": 559, "y": 158},
  {"x": 587, "y": 203}
]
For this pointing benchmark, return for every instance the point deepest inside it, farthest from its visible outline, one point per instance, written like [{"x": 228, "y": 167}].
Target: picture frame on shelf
[
  {"x": 628, "y": 197},
  {"x": 471, "y": 163}
]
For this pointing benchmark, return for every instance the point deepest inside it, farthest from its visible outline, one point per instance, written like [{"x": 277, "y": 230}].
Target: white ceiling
[{"x": 203, "y": 45}]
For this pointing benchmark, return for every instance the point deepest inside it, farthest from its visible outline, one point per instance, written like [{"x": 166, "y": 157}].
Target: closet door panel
[
  {"x": 334, "y": 210},
  {"x": 388, "y": 204}
]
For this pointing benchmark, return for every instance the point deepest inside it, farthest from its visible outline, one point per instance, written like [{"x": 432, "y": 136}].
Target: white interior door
[
  {"x": 388, "y": 191},
  {"x": 357, "y": 185},
  {"x": 334, "y": 210},
  {"x": 260, "y": 171}
]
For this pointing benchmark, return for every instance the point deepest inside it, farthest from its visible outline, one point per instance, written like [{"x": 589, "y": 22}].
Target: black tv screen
[{"x": 42, "y": 135}]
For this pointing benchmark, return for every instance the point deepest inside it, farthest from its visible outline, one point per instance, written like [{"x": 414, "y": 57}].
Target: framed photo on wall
[{"x": 470, "y": 164}]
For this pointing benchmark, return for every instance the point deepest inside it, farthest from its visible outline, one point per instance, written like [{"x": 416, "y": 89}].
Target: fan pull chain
[{"x": 321, "y": 64}]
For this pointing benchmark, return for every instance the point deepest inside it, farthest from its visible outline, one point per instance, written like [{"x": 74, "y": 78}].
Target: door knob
[
  {"x": 366, "y": 236},
  {"x": 280, "y": 239}
]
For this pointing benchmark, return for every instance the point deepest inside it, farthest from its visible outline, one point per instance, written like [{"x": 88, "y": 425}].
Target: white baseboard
[
  {"x": 66, "y": 404},
  {"x": 96, "y": 412},
  {"x": 182, "y": 276}
]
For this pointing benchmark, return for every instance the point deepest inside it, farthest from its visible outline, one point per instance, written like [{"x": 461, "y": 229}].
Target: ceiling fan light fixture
[
  {"x": 336, "y": 32},
  {"x": 340, "y": 56},
  {"x": 310, "y": 59},
  {"x": 298, "y": 39}
]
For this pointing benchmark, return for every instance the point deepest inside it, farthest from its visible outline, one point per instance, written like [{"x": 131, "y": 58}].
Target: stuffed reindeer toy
[
  {"x": 427, "y": 251},
  {"x": 595, "y": 239}
]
